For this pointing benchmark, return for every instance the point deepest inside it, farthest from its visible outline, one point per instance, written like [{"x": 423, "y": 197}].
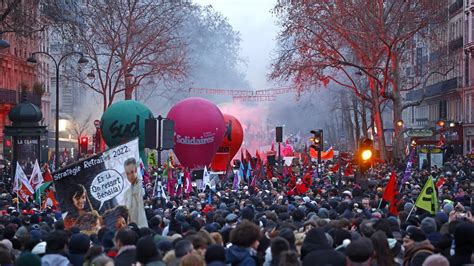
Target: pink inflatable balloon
[{"x": 199, "y": 130}]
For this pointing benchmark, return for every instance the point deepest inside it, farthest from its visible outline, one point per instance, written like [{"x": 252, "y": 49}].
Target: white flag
[
  {"x": 36, "y": 179},
  {"x": 206, "y": 178},
  {"x": 21, "y": 185}
]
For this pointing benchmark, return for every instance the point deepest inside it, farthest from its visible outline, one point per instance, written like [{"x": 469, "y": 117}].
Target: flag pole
[
  {"x": 409, "y": 214},
  {"x": 380, "y": 204},
  {"x": 17, "y": 201}
]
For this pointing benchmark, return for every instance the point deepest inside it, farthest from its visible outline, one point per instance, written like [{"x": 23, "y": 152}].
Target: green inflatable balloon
[{"x": 124, "y": 121}]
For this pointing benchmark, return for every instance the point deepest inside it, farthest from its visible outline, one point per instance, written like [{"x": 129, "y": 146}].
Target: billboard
[{"x": 104, "y": 189}]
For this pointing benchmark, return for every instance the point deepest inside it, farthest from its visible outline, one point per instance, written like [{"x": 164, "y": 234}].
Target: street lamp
[
  {"x": 399, "y": 123},
  {"x": 4, "y": 44},
  {"x": 32, "y": 60},
  {"x": 91, "y": 75}
]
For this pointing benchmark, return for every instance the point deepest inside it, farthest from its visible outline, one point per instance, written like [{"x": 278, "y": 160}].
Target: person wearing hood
[
  {"x": 245, "y": 240},
  {"x": 147, "y": 252},
  {"x": 417, "y": 247},
  {"x": 78, "y": 247},
  {"x": 56, "y": 249},
  {"x": 429, "y": 227},
  {"x": 464, "y": 244},
  {"x": 316, "y": 246}
]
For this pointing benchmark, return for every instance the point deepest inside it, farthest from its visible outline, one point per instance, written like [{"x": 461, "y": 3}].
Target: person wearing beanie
[
  {"x": 147, "y": 252},
  {"x": 78, "y": 247},
  {"x": 56, "y": 249},
  {"x": 429, "y": 227},
  {"x": 323, "y": 213},
  {"x": 28, "y": 259},
  {"x": 215, "y": 253},
  {"x": 448, "y": 208},
  {"x": 248, "y": 213},
  {"x": 407, "y": 207},
  {"x": 417, "y": 246},
  {"x": 464, "y": 244},
  {"x": 317, "y": 248},
  {"x": 436, "y": 260},
  {"x": 289, "y": 235},
  {"x": 360, "y": 252}
]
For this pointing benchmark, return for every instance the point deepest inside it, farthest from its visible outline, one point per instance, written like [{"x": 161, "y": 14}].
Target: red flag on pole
[
  {"x": 349, "y": 171},
  {"x": 47, "y": 174},
  {"x": 389, "y": 195},
  {"x": 335, "y": 168},
  {"x": 248, "y": 156},
  {"x": 440, "y": 182},
  {"x": 50, "y": 200}
]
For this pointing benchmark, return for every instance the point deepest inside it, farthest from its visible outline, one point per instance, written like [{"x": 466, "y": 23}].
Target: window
[{"x": 442, "y": 109}]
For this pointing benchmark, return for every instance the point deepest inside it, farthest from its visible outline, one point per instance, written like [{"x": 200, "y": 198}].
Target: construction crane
[{"x": 267, "y": 95}]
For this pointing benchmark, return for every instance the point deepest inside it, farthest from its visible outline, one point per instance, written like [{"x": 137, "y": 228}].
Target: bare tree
[
  {"x": 129, "y": 41},
  {"x": 331, "y": 40},
  {"x": 79, "y": 128}
]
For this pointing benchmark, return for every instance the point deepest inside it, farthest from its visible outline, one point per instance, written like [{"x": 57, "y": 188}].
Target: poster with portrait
[
  {"x": 27, "y": 151},
  {"x": 103, "y": 190}
]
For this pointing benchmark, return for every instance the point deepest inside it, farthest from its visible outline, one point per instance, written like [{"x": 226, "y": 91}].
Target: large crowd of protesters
[{"x": 338, "y": 221}]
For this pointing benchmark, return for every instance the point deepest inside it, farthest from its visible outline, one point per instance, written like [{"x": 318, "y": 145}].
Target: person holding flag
[
  {"x": 427, "y": 199},
  {"x": 21, "y": 185},
  {"x": 390, "y": 195},
  {"x": 36, "y": 178}
]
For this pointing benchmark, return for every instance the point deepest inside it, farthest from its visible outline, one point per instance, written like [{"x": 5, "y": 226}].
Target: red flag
[
  {"x": 248, "y": 156},
  {"x": 273, "y": 146},
  {"x": 257, "y": 155},
  {"x": 335, "y": 168},
  {"x": 440, "y": 182},
  {"x": 242, "y": 158},
  {"x": 349, "y": 171},
  {"x": 389, "y": 195},
  {"x": 47, "y": 174},
  {"x": 50, "y": 200}
]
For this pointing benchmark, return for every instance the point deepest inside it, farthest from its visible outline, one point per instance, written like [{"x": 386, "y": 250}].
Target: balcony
[
  {"x": 434, "y": 90},
  {"x": 455, "y": 7},
  {"x": 456, "y": 44},
  {"x": 12, "y": 97}
]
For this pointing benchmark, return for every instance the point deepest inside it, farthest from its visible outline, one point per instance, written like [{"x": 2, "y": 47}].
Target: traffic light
[
  {"x": 366, "y": 154},
  {"x": 7, "y": 148},
  {"x": 83, "y": 145},
  {"x": 317, "y": 139},
  {"x": 168, "y": 134}
]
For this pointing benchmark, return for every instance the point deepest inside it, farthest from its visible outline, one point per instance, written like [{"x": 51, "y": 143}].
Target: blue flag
[
  {"x": 241, "y": 171},
  {"x": 249, "y": 171}
]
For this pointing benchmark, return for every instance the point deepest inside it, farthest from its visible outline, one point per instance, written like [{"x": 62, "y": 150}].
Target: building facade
[
  {"x": 468, "y": 90},
  {"x": 17, "y": 77},
  {"x": 442, "y": 94}
]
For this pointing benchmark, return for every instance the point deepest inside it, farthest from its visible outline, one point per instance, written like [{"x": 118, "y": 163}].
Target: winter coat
[
  {"x": 54, "y": 260},
  {"x": 126, "y": 256},
  {"x": 417, "y": 253},
  {"x": 315, "y": 240},
  {"x": 240, "y": 256}
]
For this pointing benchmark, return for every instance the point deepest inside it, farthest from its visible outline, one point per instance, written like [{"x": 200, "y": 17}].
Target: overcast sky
[{"x": 252, "y": 18}]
